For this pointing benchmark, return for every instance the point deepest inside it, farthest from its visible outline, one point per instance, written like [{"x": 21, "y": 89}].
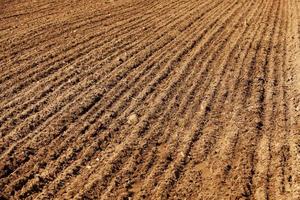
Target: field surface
[{"x": 156, "y": 99}]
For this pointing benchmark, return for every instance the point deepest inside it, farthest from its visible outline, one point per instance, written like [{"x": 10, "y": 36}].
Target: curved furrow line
[
  {"x": 258, "y": 193},
  {"x": 212, "y": 130},
  {"x": 265, "y": 179},
  {"x": 228, "y": 146},
  {"x": 254, "y": 98},
  {"x": 259, "y": 99},
  {"x": 237, "y": 113},
  {"x": 233, "y": 87}
]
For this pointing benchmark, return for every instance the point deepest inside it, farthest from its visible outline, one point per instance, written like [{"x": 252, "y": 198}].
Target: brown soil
[{"x": 134, "y": 99}]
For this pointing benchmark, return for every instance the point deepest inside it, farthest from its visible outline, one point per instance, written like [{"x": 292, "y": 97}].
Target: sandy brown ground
[{"x": 158, "y": 99}]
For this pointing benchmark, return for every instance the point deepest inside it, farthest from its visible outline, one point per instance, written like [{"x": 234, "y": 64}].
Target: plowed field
[{"x": 157, "y": 99}]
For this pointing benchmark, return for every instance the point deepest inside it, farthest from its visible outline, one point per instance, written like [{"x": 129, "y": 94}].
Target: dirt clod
[{"x": 132, "y": 119}]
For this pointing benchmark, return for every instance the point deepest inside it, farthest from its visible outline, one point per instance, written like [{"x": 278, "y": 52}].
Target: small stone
[
  {"x": 97, "y": 159},
  {"x": 132, "y": 119},
  {"x": 88, "y": 166}
]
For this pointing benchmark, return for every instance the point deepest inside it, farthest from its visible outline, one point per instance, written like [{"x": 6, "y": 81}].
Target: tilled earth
[{"x": 157, "y": 99}]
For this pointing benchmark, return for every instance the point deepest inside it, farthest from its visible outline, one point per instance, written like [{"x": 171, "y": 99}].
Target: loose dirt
[{"x": 132, "y": 99}]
